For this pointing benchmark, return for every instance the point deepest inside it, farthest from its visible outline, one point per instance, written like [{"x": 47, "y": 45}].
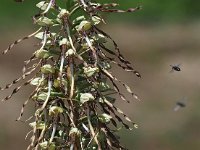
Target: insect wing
[{"x": 176, "y": 108}]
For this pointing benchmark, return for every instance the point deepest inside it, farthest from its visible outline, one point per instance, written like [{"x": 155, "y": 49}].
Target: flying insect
[
  {"x": 180, "y": 104},
  {"x": 175, "y": 68}
]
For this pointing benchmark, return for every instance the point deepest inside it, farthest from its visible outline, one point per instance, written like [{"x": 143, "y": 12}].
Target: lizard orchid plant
[{"x": 70, "y": 70}]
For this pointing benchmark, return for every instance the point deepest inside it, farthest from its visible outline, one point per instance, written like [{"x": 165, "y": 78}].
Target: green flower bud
[
  {"x": 84, "y": 25},
  {"x": 47, "y": 69},
  {"x": 63, "y": 13},
  {"x": 55, "y": 110},
  {"x": 85, "y": 97},
  {"x": 41, "y": 53},
  {"x": 44, "y": 21}
]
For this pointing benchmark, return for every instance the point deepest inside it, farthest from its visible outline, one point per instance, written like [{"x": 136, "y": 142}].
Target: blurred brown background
[{"x": 154, "y": 38}]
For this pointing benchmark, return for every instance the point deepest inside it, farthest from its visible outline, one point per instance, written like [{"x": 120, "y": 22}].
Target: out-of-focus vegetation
[
  {"x": 165, "y": 10},
  {"x": 153, "y": 11}
]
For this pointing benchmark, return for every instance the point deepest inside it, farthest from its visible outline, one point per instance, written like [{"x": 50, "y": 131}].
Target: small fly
[
  {"x": 175, "y": 68},
  {"x": 180, "y": 104}
]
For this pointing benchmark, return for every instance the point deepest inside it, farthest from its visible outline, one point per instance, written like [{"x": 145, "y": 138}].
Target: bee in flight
[
  {"x": 180, "y": 104},
  {"x": 175, "y": 68}
]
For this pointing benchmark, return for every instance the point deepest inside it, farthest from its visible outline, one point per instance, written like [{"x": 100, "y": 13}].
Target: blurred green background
[
  {"x": 153, "y": 11},
  {"x": 162, "y": 33}
]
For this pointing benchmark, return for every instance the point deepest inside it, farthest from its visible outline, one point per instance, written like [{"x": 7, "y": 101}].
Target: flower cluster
[{"x": 71, "y": 74}]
